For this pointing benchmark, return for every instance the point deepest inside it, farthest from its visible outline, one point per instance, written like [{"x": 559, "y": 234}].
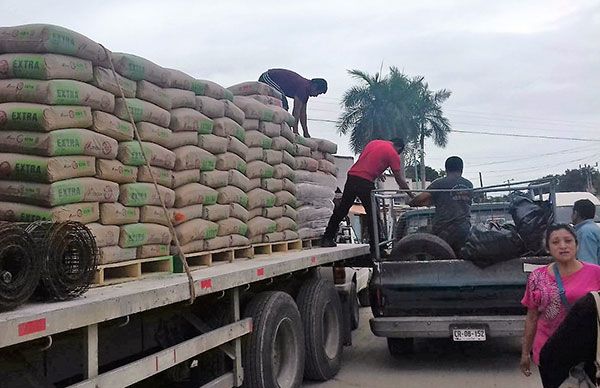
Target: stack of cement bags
[{"x": 270, "y": 164}]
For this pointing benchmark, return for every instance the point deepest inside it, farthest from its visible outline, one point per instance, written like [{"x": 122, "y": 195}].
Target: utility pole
[
  {"x": 480, "y": 180},
  {"x": 508, "y": 182}
]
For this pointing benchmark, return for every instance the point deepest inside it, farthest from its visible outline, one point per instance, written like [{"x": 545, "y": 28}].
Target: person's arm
[
  {"x": 586, "y": 247},
  {"x": 423, "y": 199},
  {"x": 401, "y": 181},
  {"x": 527, "y": 341},
  {"x": 297, "y": 113}
]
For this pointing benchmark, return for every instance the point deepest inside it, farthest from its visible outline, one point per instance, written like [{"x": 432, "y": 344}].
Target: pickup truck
[{"x": 426, "y": 295}]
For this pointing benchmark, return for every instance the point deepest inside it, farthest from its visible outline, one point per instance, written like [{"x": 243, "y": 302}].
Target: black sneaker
[{"x": 328, "y": 243}]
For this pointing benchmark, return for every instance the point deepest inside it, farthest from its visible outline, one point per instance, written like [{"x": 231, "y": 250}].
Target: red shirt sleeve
[{"x": 393, "y": 159}]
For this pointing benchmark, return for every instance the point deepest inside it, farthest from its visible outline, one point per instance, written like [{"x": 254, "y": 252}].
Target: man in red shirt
[
  {"x": 376, "y": 157},
  {"x": 293, "y": 85}
]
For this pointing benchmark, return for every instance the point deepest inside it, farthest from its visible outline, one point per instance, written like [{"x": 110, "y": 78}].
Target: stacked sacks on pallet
[{"x": 316, "y": 183}]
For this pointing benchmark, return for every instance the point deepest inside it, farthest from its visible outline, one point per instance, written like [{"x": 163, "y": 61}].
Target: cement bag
[
  {"x": 150, "y": 92},
  {"x": 130, "y": 153},
  {"x": 285, "y": 198},
  {"x": 181, "y": 98},
  {"x": 105, "y": 80},
  {"x": 258, "y": 169},
  {"x": 45, "y": 67},
  {"x": 163, "y": 177},
  {"x": 288, "y": 185},
  {"x": 282, "y": 144},
  {"x": 239, "y": 180},
  {"x": 239, "y": 241},
  {"x": 181, "y": 178},
  {"x": 117, "y": 214},
  {"x": 31, "y": 168},
  {"x": 192, "y": 157},
  {"x": 288, "y": 159},
  {"x": 37, "y": 117},
  {"x": 305, "y": 233},
  {"x": 274, "y": 237},
  {"x": 252, "y": 88},
  {"x": 135, "y": 235},
  {"x": 84, "y": 212},
  {"x": 180, "y": 139},
  {"x": 326, "y": 146},
  {"x": 256, "y": 212},
  {"x": 105, "y": 235},
  {"x": 273, "y": 157},
  {"x": 318, "y": 155},
  {"x": 269, "y": 129},
  {"x": 302, "y": 150},
  {"x": 287, "y": 132},
  {"x": 138, "y": 68},
  {"x": 260, "y": 198},
  {"x": 308, "y": 142},
  {"x": 306, "y": 163},
  {"x": 115, "y": 254},
  {"x": 154, "y": 134},
  {"x": 310, "y": 213},
  {"x": 234, "y": 113},
  {"x": 218, "y": 242},
  {"x": 153, "y": 250},
  {"x": 156, "y": 214},
  {"x": 330, "y": 158},
  {"x": 187, "y": 119},
  {"x": 237, "y": 147},
  {"x": 210, "y": 107},
  {"x": 194, "y": 193},
  {"x": 254, "y": 184},
  {"x": 281, "y": 116},
  {"x": 115, "y": 171},
  {"x": 271, "y": 184},
  {"x": 211, "y": 89},
  {"x": 216, "y": 212},
  {"x": 251, "y": 124},
  {"x": 112, "y": 126},
  {"x": 328, "y": 167},
  {"x": 231, "y": 194},
  {"x": 313, "y": 191},
  {"x": 193, "y": 246},
  {"x": 238, "y": 211},
  {"x": 225, "y": 127},
  {"x": 231, "y": 226},
  {"x": 318, "y": 177},
  {"x": 141, "y": 111},
  {"x": 283, "y": 171},
  {"x": 140, "y": 194},
  {"x": 215, "y": 179},
  {"x": 254, "y": 153},
  {"x": 257, "y": 139},
  {"x": 56, "y": 92},
  {"x": 260, "y": 225},
  {"x": 47, "y": 38},
  {"x": 196, "y": 230},
  {"x": 267, "y": 100},
  {"x": 256, "y": 239},
  {"x": 230, "y": 161},
  {"x": 213, "y": 144},
  {"x": 253, "y": 109},
  {"x": 285, "y": 223},
  {"x": 273, "y": 213},
  {"x": 59, "y": 193},
  {"x": 180, "y": 80},
  {"x": 290, "y": 212},
  {"x": 290, "y": 235}
]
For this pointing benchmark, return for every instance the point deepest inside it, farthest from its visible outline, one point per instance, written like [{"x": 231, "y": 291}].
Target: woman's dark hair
[
  {"x": 554, "y": 227},
  {"x": 319, "y": 84}
]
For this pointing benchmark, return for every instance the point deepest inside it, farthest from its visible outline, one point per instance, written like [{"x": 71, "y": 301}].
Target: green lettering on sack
[
  {"x": 240, "y": 134},
  {"x": 87, "y": 210},
  {"x": 68, "y": 192},
  {"x": 210, "y": 199},
  {"x": 271, "y": 228},
  {"x": 137, "y": 235},
  {"x": 268, "y": 173},
  {"x": 205, "y": 127},
  {"x": 27, "y": 169},
  {"x": 267, "y": 144},
  {"x": 138, "y": 195},
  {"x": 228, "y": 95},
  {"x": 65, "y": 92},
  {"x": 270, "y": 201},
  {"x": 29, "y": 118},
  {"x": 136, "y": 70},
  {"x": 124, "y": 128},
  {"x": 267, "y": 115},
  {"x": 128, "y": 171},
  {"x": 29, "y": 66},
  {"x": 198, "y": 88},
  {"x": 244, "y": 201},
  {"x": 34, "y": 215},
  {"x": 210, "y": 233},
  {"x": 243, "y": 229},
  {"x": 61, "y": 41},
  {"x": 136, "y": 108},
  {"x": 207, "y": 165},
  {"x": 241, "y": 167},
  {"x": 67, "y": 142}
]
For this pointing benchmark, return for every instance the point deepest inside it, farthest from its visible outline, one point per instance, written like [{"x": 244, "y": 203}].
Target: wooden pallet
[
  {"x": 198, "y": 260},
  {"x": 126, "y": 271},
  {"x": 276, "y": 247},
  {"x": 309, "y": 243}
]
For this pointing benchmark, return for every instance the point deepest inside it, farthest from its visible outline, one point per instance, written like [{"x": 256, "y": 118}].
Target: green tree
[
  {"x": 430, "y": 173},
  {"x": 582, "y": 179}
]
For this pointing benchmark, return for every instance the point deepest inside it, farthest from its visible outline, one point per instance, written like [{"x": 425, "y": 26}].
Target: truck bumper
[{"x": 441, "y": 327}]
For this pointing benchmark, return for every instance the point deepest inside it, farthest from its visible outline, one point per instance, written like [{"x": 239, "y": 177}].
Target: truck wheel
[
  {"x": 421, "y": 246},
  {"x": 364, "y": 298},
  {"x": 273, "y": 354},
  {"x": 399, "y": 347},
  {"x": 321, "y": 312},
  {"x": 354, "y": 312}
]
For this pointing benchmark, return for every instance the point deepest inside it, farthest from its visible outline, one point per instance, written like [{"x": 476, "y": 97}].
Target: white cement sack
[
  {"x": 105, "y": 235},
  {"x": 328, "y": 167},
  {"x": 105, "y": 80},
  {"x": 130, "y": 153},
  {"x": 250, "y": 88},
  {"x": 239, "y": 180},
  {"x": 115, "y": 254},
  {"x": 260, "y": 198},
  {"x": 155, "y": 134},
  {"x": 141, "y": 111},
  {"x": 273, "y": 157},
  {"x": 163, "y": 176},
  {"x": 233, "y": 112},
  {"x": 215, "y": 179},
  {"x": 153, "y": 250},
  {"x": 140, "y": 194},
  {"x": 238, "y": 211},
  {"x": 258, "y": 169},
  {"x": 285, "y": 198},
  {"x": 210, "y": 107},
  {"x": 213, "y": 144},
  {"x": 117, "y": 214},
  {"x": 270, "y": 129},
  {"x": 258, "y": 139},
  {"x": 230, "y": 161},
  {"x": 194, "y": 193},
  {"x": 225, "y": 127},
  {"x": 38, "y": 117},
  {"x": 181, "y": 98},
  {"x": 135, "y": 235},
  {"x": 112, "y": 126},
  {"x": 306, "y": 163},
  {"x": 259, "y": 226},
  {"x": 187, "y": 119},
  {"x": 254, "y": 153},
  {"x": 192, "y": 157},
  {"x": 196, "y": 229},
  {"x": 251, "y": 124},
  {"x": 138, "y": 68},
  {"x": 271, "y": 184},
  {"x": 84, "y": 212},
  {"x": 232, "y": 194},
  {"x": 184, "y": 177},
  {"x": 283, "y": 171},
  {"x": 216, "y": 212},
  {"x": 150, "y": 92},
  {"x": 29, "y": 168},
  {"x": 115, "y": 171},
  {"x": 45, "y": 67},
  {"x": 237, "y": 147},
  {"x": 231, "y": 226}
]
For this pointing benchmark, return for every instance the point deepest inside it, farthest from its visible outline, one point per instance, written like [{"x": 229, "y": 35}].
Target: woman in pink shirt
[{"x": 546, "y": 307}]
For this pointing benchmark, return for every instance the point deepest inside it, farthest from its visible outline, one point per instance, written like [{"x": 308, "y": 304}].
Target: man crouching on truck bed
[
  {"x": 452, "y": 219},
  {"x": 375, "y": 158}
]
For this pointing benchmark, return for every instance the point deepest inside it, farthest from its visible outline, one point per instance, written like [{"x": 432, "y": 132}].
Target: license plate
[{"x": 468, "y": 335}]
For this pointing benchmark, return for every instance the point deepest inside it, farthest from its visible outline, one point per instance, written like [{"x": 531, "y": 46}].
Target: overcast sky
[{"x": 513, "y": 67}]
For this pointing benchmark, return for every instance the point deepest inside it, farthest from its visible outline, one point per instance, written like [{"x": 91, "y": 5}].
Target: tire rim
[
  {"x": 284, "y": 359},
  {"x": 331, "y": 333}
]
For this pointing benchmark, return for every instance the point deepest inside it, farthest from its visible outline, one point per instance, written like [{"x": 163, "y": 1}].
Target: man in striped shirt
[{"x": 293, "y": 85}]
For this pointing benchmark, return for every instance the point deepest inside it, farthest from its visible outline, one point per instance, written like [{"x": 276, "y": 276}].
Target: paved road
[{"x": 435, "y": 363}]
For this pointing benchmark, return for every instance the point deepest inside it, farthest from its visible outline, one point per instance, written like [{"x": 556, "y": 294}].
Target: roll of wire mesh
[
  {"x": 19, "y": 266},
  {"x": 69, "y": 258}
]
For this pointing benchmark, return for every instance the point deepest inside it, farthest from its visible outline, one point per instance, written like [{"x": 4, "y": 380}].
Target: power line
[
  {"x": 525, "y": 135},
  {"x": 537, "y": 156}
]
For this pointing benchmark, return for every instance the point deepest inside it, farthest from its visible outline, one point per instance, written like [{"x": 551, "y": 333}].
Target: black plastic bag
[
  {"x": 489, "y": 246},
  {"x": 531, "y": 220}
]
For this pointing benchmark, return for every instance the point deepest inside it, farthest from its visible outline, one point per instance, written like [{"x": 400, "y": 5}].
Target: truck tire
[
  {"x": 364, "y": 298},
  {"x": 321, "y": 311},
  {"x": 421, "y": 246},
  {"x": 273, "y": 354},
  {"x": 354, "y": 308},
  {"x": 399, "y": 347}
]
